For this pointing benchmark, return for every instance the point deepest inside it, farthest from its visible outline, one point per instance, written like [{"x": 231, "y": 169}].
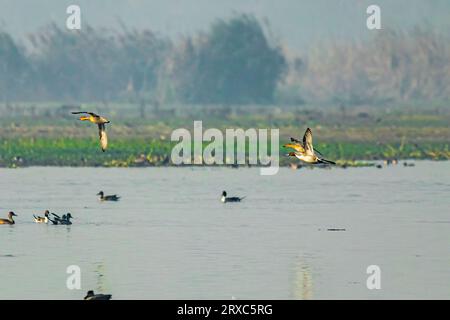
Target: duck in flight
[
  {"x": 10, "y": 219},
  {"x": 44, "y": 219},
  {"x": 225, "y": 199},
  {"x": 112, "y": 197},
  {"x": 305, "y": 151},
  {"x": 100, "y": 122},
  {"x": 99, "y": 296}
]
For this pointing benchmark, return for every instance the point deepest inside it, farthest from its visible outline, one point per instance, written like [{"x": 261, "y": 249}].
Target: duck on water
[
  {"x": 10, "y": 219},
  {"x": 226, "y": 199},
  {"x": 112, "y": 197},
  {"x": 64, "y": 220},
  {"x": 99, "y": 296},
  {"x": 44, "y": 219}
]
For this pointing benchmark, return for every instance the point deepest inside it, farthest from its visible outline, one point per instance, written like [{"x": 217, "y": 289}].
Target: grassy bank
[
  {"x": 155, "y": 152},
  {"x": 48, "y": 134}
]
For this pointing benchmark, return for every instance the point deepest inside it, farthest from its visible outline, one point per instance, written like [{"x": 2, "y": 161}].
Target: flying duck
[
  {"x": 99, "y": 296},
  {"x": 112, "y": 197},
  {"x": 100, "y": 122},
  {"x": 304, "y": 150},
  {"x": 225, "y": 199},
  {"x": 44, "y": 219},
  {"x": 10, "y": 219}
]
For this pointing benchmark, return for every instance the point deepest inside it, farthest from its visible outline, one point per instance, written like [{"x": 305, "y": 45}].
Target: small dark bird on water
[
  {"x": 112, "y": 197},
  {"x": 64, "y": 220},
  {"x": 99, "y": 296},
  {"x": 225, "y": 199}
]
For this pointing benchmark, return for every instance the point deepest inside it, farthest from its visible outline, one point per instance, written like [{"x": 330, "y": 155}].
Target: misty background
[{"x": 233, "y": 52}]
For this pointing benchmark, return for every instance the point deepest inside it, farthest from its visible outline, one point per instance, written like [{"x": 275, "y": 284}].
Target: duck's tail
[
  {"x": 326, "y": 161},
  {"x": 242, "y": 198}
]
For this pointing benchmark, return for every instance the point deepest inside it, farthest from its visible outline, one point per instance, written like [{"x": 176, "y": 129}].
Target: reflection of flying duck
[
  {"x": 10, "y": 219},
  {"x": 225, "y": 199},
  {"x": 100, "y": 122},
  {"x": 44, "y": 219},
  {"x": 303, "y": 282},
  {"x": 99, "y": 296},
  {"x": 112, "y": 197},
  {"x": 304, "y": 150}
]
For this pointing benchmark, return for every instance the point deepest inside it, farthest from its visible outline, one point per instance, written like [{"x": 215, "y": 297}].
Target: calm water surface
[{"x": 170, "y": 236}]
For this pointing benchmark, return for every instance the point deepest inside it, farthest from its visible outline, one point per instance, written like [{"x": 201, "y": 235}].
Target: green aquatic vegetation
[{"x": 155, "y": 152}]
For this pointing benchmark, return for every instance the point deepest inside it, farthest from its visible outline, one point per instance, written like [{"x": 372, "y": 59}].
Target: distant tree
[
  {"x": 96, "y": 64},
  {"x": 76, "y": 65},
  {"x": 13, "y": 68},
  {"x": 142, "y": 57},
  {"x": 232, "y": 64}
]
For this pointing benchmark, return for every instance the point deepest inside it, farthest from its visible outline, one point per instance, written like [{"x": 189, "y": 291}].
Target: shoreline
[{"x": 407, "y": 162}]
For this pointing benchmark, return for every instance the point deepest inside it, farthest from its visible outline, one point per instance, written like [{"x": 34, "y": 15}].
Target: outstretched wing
[
  {"x": 85, "y": 112},
  {"x": 103, "y": 137},
  {"x": 307, "y": 142}
]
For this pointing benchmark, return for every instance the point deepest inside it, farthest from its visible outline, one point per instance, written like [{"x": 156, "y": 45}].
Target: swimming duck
[
  {"x": 99, "y": 296},
  {"x": 112, "y": 197},
  {"x": 44, "y": 219},
  {"x": 100, "y": 122},
  {"x": 406, "y": 164},
  {"x": 10, "y": 219},
  {"x": 304, "y": 150},
  {"x": 56, "y": 218},
  {"x": 64, "y": 220},
  {"x": 225, "y": 199}
]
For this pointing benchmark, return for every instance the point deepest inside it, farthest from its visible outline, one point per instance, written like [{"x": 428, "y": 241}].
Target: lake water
[{"x": 171, "y": 238}]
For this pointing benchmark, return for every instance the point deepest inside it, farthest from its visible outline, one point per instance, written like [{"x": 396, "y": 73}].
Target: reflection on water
[
  {"x": 303, "y": 282},
  {"x": 100, "y": 276},
  {"x": 170, "y": 237}
]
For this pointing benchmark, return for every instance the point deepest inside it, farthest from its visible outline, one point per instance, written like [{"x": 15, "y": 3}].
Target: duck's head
[
  {"x": 224, "y": 194},
  {"x": 100, "y": 194},
  {"x": 290, "y": 154},
  {"x": 90, "y": 293},
  {"x": 69, "y": 216},
  {"x": 12, "y": 214},
  {"x": 46, "y": 213}
]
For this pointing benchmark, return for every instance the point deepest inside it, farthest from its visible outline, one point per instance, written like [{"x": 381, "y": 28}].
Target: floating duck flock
[{"x": 304, "y": 151}]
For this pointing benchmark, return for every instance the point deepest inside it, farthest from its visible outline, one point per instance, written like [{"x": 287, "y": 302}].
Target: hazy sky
[{"x": 297, "y": 22}]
